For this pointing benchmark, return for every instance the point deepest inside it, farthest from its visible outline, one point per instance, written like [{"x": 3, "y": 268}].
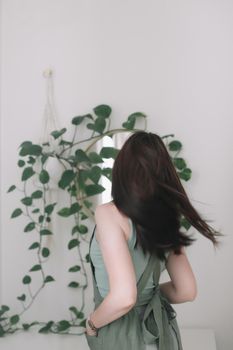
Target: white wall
[{"x": 169, "y": 59}]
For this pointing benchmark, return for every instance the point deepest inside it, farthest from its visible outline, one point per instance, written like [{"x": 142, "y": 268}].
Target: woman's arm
[
  {"x": 118, "y": 262},
  {"x": 182, "y": 286}
]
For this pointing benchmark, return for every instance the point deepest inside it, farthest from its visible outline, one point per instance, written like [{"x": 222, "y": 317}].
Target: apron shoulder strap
[{"x": 153, "y": 266}]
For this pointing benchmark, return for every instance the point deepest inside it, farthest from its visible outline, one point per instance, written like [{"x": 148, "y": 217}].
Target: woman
[{"x": 136, "y": 236}]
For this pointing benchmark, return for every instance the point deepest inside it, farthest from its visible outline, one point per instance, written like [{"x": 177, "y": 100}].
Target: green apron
[{"x": 158, "y": 325}]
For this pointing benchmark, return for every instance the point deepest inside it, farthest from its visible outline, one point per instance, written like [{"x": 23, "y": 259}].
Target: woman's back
[
  {"x": 139, "y": 261},
  {"x": 150, "y": 308}
]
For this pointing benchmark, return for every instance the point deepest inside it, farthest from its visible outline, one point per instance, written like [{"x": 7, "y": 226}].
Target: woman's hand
[{"x": 88, "y": 330}]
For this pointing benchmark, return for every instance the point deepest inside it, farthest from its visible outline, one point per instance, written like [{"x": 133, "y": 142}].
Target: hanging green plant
[{"x": 81, "y": 171}]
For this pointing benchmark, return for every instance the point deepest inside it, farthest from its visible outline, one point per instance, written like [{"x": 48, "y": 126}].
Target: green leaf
[
  {"x": 45, "y": 252},
  {"x": 87, "y": 257},
  {"x": 73, "y": 284},
  {"x": 82, "y": 323},
  {"x": 107, "y": 172},
  {"x": 74, "y": 229},
  {"x": 27, "y": 201},
  {"x": 14, "y": 319},
  {"x": 67, "y": 177},
  {"x": 75, "y": 207},
  {"x": 83, "y": 216},
  {"x": 109, "y": 152},
  {"x": 49, "y": 279},
  {"x": 77, "y": 313},
  {"x": 31, "y": 160},
  {"x": 81, "y": 156},
  {"x": 27, "y": 173},
  {"x": 44, "y": 157},
  {"x": 26, "y": 326},
  {"x": 27, "y": 279},
  {"x": 81, "y": 179},
  {"x": 130, "y": 123},
  {"x": 12, "y": 188},
  {"x": 65, "y": 143},
  {"x": 74, "y": 310},
  {"x": 41, "y": 218},
  {"x": 45, "y": 232},
  {"x": 2, "y": 331},
  {"x": 73, "y": 190},
  {"x": 22, "y": 297},
  {"x": 98, "y": 126},
  {"x": 63, "y": 325},
  {"x": 65, "y": 212},
  {"x": 78, "y": 120},
  {"x": 92, "y": 190},
  {"x": 87, "y": 203},
  {"x": 179, "y": 163},
  {"x": 185, "y": 223},
  {"x": 25, "y": 144},
  {"x": 95, "y": 157},
  {"x": 49, "y": 208},
  {"x": 103, "y": 111},
  {"x": 82, "y": 229},
  {"x": 36, "y": 267},
  {"x": 21, "y": 163},
  {"x": 5, "y": 308},
  {"x": 30, "y": 227},
  {"x": 44, "y": 176},
  {"x": 47, "y": 327},
  {"x": 34, "y": 245},
  {"x": 31, "y": 150},
  {"x": 58, "y": 133},
  {"x": 73, "y": 243},
  {"x": 185, "y": 174},
  {"x": 37, "y": 194},
  {"x": 95, "y": 173},
  {"x": 36, "y": 210},
  {"x": 175, "y": 145},
  {"x": 16, "y": 213},
  {"x": 74, "y": 268}
]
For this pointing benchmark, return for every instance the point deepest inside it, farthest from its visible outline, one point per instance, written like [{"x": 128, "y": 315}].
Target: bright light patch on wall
[
  {"x": 116, "y": 141},
  {"x": 105, "y": 182}
]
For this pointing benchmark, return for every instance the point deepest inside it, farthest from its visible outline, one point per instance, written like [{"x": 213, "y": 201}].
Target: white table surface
[{"x": 192, "y": 339}]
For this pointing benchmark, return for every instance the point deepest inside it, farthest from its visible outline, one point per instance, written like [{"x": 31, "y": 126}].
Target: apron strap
[
  {"x": 150, "y": 268},
  {"x": 97, "y": 296}
]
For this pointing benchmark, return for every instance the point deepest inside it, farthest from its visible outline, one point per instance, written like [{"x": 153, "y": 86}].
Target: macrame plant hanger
[
  {"x": 50, "y": 144},
  {"x": 50, "y": 120}
]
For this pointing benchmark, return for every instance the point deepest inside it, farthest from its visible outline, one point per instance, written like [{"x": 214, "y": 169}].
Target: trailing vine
[{"x": 82, "y": 171}]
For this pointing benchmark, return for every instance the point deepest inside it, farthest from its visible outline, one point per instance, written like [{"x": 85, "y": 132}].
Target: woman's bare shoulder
[
  {"x": 107, "y": 208},
  {"x": 110, "y": 211}
]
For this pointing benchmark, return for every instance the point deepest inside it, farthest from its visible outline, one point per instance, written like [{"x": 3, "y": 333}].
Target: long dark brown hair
[{"x": 147, "y": 188}]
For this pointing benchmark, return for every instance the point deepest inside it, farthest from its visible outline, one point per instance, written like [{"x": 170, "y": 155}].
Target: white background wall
[{"x": 169, "y": 59}]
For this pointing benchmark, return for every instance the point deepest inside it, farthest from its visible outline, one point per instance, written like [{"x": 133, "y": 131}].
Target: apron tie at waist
[{"x": 159, "y": 322}]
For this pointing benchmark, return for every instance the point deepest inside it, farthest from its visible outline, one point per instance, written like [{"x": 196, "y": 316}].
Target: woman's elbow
[
  {"x": 124, "y": 300},
  {"x": 130, "y": 301},
  {"x": 190, "y": 294}
]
